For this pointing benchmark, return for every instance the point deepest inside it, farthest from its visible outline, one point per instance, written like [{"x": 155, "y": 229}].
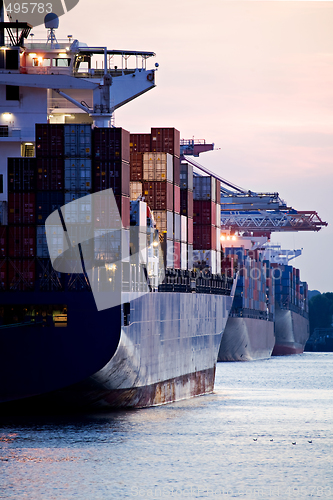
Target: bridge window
[
  {"x": 12, "y": 59},
  {"x": 12, "y": 93},
  {"x": 61, "y": 62}
]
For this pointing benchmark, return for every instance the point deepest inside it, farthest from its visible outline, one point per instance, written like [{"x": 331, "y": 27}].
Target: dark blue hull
[{"x": 164, "y": 350}]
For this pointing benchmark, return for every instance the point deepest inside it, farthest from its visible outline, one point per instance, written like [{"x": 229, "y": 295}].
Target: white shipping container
[
  {"x": 135, "y": 190},
  {"x": 176, "y": 227},
  {"x": 169, "y": 258},
  {"x": 218, "y": 239},
  {"x": 157, "y": 167},
  {"x": 80, "y": 212},
  {"x": 183, "y": 256},
  {"x": 218, "y": 262},
  {"x": 183, "y": 228},
  {"x": 209, "y": 258},
  {"x": 77, "y": 174},
  {"x": 164, "y": 222},
  {"x": 218, "y": 215}
]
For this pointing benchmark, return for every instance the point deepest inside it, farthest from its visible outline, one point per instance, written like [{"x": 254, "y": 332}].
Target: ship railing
[
  {"x": 99, "y": 73},
  {"x": 41, "y": 44},
  {"x": 55, "y": 103},
  {"x": 46, "y": 70},
  {"x": 192, "y": 142},
  {"x": 287, "y": 305},
  {"x": 240, "y": 312},
  {"x": 177, "y": 280}
]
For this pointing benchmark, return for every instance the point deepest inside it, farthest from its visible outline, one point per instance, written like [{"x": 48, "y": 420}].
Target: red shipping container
[
  {"x": 124, "y": 207},
  {"x": 176, "y": 170},
  {"x": 166, "y": 140},
  {"x": 176, "y": 199},
  {"x": 21, "y": 241},
  {"x": 136, "y": 166},
  {"x": 3, "y": 241},
  {"x": 111, "y": 144},
  {"x": 50, "y": 174},
  {"x": 140, "y": 143},
  {"x": 21, "y": 174},
  {"x": 112, "y": 174},
  {"x": 176, "y": 255},
  {"x": 21, "y": 208},
  {"x": 49, "y": 140},
  {"x": 158, "y": 195},
  {"x": 204, "y": 212},
  {"x": 190, "y": 231},
  {"x": 3, "y": 275},
  {"x": 21, "y": 274},
  {"x": 204, "y": 238}
]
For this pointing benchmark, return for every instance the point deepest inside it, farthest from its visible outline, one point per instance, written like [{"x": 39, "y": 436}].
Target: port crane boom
[{"x": 262, "y": 213}]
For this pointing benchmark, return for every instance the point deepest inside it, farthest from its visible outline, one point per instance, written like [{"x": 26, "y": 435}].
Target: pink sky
[{"x": 255, "y": 78}]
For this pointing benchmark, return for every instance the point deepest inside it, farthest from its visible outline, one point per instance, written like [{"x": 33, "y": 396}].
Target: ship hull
[
  {"x": 291, "y": 332},
  {"x": 247, "y": 339},
  {"x": 167, "y": 352}
]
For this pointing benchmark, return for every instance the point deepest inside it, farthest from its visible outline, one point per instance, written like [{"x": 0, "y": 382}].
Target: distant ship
[
  {"x": 277, "y": 323},
  {"x": 249, "y": 334}
]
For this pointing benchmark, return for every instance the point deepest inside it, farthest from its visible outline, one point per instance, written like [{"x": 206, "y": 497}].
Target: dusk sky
[{"x": 255, "y": 78}]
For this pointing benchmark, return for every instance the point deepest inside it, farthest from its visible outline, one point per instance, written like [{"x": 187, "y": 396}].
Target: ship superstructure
[{"x": 60, "y": 81}]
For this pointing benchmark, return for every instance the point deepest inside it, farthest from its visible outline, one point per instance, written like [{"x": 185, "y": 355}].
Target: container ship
[
  {"x": 249, "y": 333},
  {"x": 89, "y": 316},
  {"x": 269, "y": 315},
  {"x": 292, "y": 327}
]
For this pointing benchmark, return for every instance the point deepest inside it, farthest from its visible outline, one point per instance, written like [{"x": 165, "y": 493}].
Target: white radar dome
[{"x": 51, "y": 21}]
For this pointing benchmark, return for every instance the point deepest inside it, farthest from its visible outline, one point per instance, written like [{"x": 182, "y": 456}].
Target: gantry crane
[{"x": 244, "y": 211}]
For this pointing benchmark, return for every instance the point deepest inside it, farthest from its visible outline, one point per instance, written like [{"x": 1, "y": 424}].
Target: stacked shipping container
[
  {"x": 155, "y": 175},
  {"x": 19, "y": 238},
  {"x": 111, "y": 168},
  {"x": 254, "y": 290},
  {"x": 60, "y": 173},
  {"x": 289, "y": 290},
  {"x": 206, "y": 220},
  {"x": 186, "y": 210}
]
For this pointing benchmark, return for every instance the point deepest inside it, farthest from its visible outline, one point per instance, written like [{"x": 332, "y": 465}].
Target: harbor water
[{"x": 266, "y": 432}]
